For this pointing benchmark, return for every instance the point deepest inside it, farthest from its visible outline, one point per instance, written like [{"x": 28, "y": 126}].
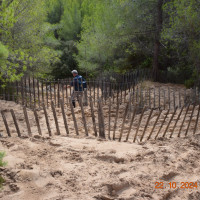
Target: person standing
[{"x": 79, "y": 84}]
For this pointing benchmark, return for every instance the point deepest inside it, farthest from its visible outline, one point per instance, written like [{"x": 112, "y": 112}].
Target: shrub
[{"x": 2, "y": 163}]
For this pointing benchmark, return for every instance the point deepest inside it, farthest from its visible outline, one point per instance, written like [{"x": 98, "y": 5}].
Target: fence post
[
  {"x": 174, "y": 99},
  {"x": 124, "y": 119},
  {"x": 30, "y": 96},
  {"x": 73, "y": 116},
  {"x": 47, "y": 95},
  {"x": 55, "y": 118},
  {"x": 47, "y": 119},
  {"x": 85, "y": 100},
  {"x": 93, "y": 117},
  {"x": 34, "y": 92},
  {"x": 64, "y": 116},
  {"x": 83, "y": 115},
  {"x": 131, "y": 123},
  {"x": 149, "y": 118},
  {"x": 15, "y": 122},
  {"x": 109, "y": 117},
  {"x": 169, "y": 122},
  {"x": 160, "y": 111},
  {"x": 116, "y": 117},
  {"x": 58, "y": 93},
  {"x": 190, "y": 120},
  {"x": 25, "y": 88},
  {"x": 162, "y": 124},
  {"x": 101, "y": 120},
  {"x": 5, "y": 123},
  {"x": 27, "y": 121},
  {"x": 183, "y": 120},
  {"x": 38, "y": 87},
  {"x": 176, "y": 121},
  {"x": 37, "y": 122},
  {"x": 67, "y": 102},
  {"x": 54, "y": 91},
  {"x": 169, "y": 98},
  {"x": 139, "y": 124}
]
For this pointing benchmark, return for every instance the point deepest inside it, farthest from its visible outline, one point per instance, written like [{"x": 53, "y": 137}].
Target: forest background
[{"x": 51, "y": 38}]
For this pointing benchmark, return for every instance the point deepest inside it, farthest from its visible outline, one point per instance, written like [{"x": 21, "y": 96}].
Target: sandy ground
[
  {"x": 69, "y": 168},
  {"x": 61, "y": 167}
]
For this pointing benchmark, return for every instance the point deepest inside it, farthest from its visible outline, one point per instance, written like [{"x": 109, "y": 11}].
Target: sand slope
[{"x": 69, "y": 168}]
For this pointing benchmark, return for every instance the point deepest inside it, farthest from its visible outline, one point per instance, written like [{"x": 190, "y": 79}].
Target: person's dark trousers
[{"x": 73, "y": 103}]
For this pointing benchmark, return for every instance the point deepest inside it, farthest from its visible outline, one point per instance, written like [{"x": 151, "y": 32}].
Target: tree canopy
[{"x": 50, "y": 38}]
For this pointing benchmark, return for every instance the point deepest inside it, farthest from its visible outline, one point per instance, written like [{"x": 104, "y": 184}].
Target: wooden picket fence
[
  {"x": 117, "y": 107},
  {"x": 112, "y": 121},
  {"x": 31, "y": 92}
]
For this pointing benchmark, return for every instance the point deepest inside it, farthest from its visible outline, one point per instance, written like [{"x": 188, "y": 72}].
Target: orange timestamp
[{"x": 175, "y": 185}]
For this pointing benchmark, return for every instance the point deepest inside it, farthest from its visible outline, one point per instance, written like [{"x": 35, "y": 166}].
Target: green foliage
[
  {"x": 50, "y": 38},
  {"x": 3, "y": 54},
  {"x": 182, "y": 34},
  {"x": 23, "y": 30},
  {"x": 65, "y": 16},
  {"x": 2, "y": 164},
  {"x": 71, "y": 20},
  {"x": 114, "y": 34}
]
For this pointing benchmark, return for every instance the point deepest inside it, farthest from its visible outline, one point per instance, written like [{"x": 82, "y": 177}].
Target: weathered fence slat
[
  {"x": 46, "y": 118},
  {"x": 154, "y": 125},
  {"x": 131, "y": 123},
  {"x": 124, "y": 119},
  {"x": 169, "y": 98},
  {"x": 64, "y": 116},
  {"x": 15, "y": 122},
  {"x": 116, "y": 117},
  {"x": 170, "y": 121},
  {"x": 174, "y": 98},
  {"x": 27, "y": 121},
  {"x": 190, "y": 120},
  {"x": 183, "y": 120},
  {"x": 101, "y": 120},
  {"x": 25, "y": 86},
  {"x": 139, "y": 124},
  {"x": 38, "y": 90},
  {"x": 109, "y": 118},
  {"x": 150, "y": 114},
  {"x": 5, "y": 123},
  {"x": 34, "y": 92},
  {"x": 85, "y": 99},
  {"x": 66, "y": 90},
  {"x": 55, "y": 118},
  {"x": 73, "y": 116},
  {"x": 149, "y": 97},
  {"x": 42, "y": 87},
  {"x": 37, "y": 122},
  {"x": 54, "y": 92},
  {"x": 83, "y": 116},
  {"x": 176, "y": 121},
  {"x": 162, "y": 124},
  {"x": 93, "y": 117},
  {"x": 58, "y": 93}
]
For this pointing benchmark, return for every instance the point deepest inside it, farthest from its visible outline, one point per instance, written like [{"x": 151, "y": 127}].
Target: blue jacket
[{"x": 78, "y": 83}]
